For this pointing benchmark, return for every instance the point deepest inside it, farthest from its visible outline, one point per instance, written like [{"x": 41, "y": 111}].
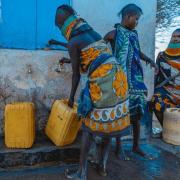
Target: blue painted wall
[
  {"x": 18, "y": 25},
  {"x": 28, "y": 24},
  {"x": 45, "y": 21}
]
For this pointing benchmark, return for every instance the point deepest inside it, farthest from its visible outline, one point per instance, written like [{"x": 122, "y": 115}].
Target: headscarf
[
  {"x": 173, "y": 49},
  {"x": 73, "y": 26}
]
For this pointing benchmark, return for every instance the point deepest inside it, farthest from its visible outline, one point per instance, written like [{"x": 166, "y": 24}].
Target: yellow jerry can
[
  {"x": 63, "y": 123},
  {"x": 19, "y": 125}
]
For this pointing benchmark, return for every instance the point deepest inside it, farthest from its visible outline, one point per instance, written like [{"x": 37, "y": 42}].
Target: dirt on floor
[{"x": 159, "y": 164}]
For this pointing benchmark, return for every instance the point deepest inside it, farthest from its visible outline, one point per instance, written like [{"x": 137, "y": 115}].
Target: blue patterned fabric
[
  {"x": 85, "y": 103},
  {"x": 127, "y": 51},
  {"x": 83, "y": 27},
  {"x": 136, "y": 82}
]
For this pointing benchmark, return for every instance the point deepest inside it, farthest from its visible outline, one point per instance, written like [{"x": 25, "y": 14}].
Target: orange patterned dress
[
  {"x": 108, "y": 89},
  {"x": 167, "y": 95}
]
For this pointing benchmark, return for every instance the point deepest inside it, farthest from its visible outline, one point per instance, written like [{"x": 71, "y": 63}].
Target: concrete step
[
  {"x": 43, "y": 151},
  {"x": 42, "y": 169}
]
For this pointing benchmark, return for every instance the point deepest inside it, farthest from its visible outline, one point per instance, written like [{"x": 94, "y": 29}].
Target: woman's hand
[
  {"x": 152, "y": 64},
  {"x": 155, "y": 66},
  {"x": 71, "y": 102},
  {"x": 156, "y": 69},
  {"x": 64, "y": 60},
  {"x": 149, "y": 61},
  {"x": 61, "y": 61},
  {"x": 52, "y": 42}
]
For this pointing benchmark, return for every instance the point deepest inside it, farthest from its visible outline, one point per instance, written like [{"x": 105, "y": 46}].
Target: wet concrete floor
[{"x": 161, "y": 165}]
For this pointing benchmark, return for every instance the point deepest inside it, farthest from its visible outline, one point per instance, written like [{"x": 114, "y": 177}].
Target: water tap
[
  {"x": 29, "y": 69},
  {"x": 60, "y": 67}
]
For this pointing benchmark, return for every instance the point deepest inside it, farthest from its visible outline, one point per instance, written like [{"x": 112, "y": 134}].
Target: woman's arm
[
  {"x": 54, "y": 42},
  {"x": 74, "y": 56},
  {"x": 157, "y": 75},
  {"x": 110, "y": 36},
  {"x": 149, "y": 61}
]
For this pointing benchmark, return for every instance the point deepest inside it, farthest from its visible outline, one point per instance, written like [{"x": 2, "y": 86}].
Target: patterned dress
[
  {"x": 103, "y": 101},
  {"x": 167, "y": 95},
  {"x": 108, "y": 91},
  {"x": 127, "y": 51}
]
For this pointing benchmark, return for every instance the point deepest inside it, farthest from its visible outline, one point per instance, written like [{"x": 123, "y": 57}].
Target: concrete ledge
[{"x": 42, "y": 151}]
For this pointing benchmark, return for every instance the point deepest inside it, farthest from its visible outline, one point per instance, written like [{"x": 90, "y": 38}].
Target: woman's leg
[
  {"x": 118, "y": 146},
  {"x": 82, "y": 172},
  {"x": 103, "y": 156},
  {"x": 94, "y": 151},
  {"x": 119, "y": 150},
  {"x": 135, "y": 120}
]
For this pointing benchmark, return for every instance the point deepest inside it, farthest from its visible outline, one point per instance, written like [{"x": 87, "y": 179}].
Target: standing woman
[
  {"x": 125, "y": 44},
  {"x": 103, "y": 102}
]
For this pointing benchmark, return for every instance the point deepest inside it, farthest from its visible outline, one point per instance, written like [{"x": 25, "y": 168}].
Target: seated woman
[
  {"x": 103, "y": 101},
  {"x": 167, "y": 81}
]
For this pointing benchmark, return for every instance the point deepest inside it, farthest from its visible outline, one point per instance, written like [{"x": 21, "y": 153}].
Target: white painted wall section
[{"x": 102, "y": 15}]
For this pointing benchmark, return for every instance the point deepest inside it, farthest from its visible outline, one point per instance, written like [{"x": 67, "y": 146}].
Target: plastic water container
[
  {"x": 19, "y": 125},
  {"x": 171, "y": 126},
  {"x": 63, "y": 123}
]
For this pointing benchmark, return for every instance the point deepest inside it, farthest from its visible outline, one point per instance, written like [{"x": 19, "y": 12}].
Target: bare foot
[
  {"x": 142, "y": 154},
  {"x": 93, "y": 160},
  {"x": 75, "y": 175},
  {"x": 122, "y": 155},
  {"x": 102, "y": 171},
  {"x": 138, "y": 151}
]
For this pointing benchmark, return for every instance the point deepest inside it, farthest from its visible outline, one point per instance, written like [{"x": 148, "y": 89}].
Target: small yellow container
[
  {"x": 19, "y": 125},
  {"x": 63, "y": 123}
]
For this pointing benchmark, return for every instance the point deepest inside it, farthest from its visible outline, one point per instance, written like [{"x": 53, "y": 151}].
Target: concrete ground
[{"x": 161, "y": 165}]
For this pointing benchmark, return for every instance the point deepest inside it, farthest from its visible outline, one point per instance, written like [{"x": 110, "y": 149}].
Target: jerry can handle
[{"x": 59, "y": 117}]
